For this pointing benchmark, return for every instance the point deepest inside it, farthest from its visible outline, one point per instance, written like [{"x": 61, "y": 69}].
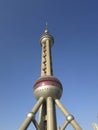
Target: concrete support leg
[
  {"x": 31, "y": 115},
  {"x": 64, "y": 125},
  {"x": 68, "y": 116},
  {"x": 36, "y": 124},
  {"x": 42, "y": 115},
  {"x": 51, "y": 116}
]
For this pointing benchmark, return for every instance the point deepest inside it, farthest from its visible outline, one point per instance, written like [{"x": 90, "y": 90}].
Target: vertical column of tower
[
  {"x": 46, "y": 63},
  {"x": 48, "y": 117},
  {"x": 51, "y": 115}
]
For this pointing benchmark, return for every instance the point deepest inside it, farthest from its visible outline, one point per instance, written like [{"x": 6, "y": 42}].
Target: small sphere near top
[
  {"x": 46, "y": 30},
  {"x": 46, "y": 36}
]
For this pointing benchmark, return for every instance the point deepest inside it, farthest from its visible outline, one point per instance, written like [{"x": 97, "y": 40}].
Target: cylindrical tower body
[
  {"x": 51, "y": 115},
  {"x": 47, "y": 85},
  {"x": 46, "y": 41}
]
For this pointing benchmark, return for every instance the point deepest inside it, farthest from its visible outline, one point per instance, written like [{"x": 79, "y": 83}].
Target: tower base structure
[
  {"x": 46, "y": 106},
  {"x": 48, "y": 122}
]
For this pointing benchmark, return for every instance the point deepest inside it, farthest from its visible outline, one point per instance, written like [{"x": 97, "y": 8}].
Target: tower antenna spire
[{"x": 46, "y": 29}]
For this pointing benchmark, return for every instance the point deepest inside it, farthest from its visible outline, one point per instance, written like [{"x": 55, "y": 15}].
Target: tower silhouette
[{"x": 48, "y": 90}]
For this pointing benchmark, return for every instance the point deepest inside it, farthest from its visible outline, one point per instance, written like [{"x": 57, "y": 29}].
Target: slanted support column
[
  {"x": 42, "y": 115},
  {"x": 31, "y": 115},
  {"x": 68, "y": 116},
  {"x": 36, "y": 124},
  {"x": 64, "y": 125}
]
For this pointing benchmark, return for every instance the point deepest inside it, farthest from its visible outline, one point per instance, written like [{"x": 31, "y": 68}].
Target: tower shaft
[
  {"x": 47, "y": 115},
  {"x": 51, "y": 116},
  {"x": 46, "y": 63}
]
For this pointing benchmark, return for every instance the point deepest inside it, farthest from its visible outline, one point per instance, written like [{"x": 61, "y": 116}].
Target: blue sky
[{"x": 74, "y": 25}]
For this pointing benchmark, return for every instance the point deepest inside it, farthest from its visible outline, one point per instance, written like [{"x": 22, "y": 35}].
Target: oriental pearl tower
[{"x": 48, "y": 90}]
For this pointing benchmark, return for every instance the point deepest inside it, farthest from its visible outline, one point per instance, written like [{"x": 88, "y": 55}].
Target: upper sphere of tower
[{"x": 46, "y": 36}]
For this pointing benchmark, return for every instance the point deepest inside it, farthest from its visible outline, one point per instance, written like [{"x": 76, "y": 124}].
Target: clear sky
[{"x": 74, "y": 25}]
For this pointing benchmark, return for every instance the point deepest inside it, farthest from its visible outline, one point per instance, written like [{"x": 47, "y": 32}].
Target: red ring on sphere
[{"x": 47, "y": 81}]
